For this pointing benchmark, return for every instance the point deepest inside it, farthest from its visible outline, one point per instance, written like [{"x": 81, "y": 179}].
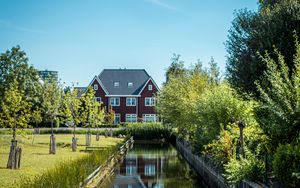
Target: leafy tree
[
  {"x": 51, "y": 103},
  {"x": 15, "y": 114},
  {"x": 279, "y": 112},
  {"x": 87, "y": 111},
  {"x": 99, "y": 118},
  {"x": 14, "y": 70},
  {"x": 109, "y": 116},
  {"x": 176, "y": 68},
  {"x": 256, "y": 32},
  {"x": 72, "y": 112}
]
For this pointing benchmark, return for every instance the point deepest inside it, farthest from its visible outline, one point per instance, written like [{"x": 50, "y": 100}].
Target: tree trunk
[
  {"x": 97, "y": 136},
  {"x": 14, "y": 159},
  {"x": 52, "y": 144},
  {"x": 74, "y": 144},
  {"x": 88, "y": 138}
]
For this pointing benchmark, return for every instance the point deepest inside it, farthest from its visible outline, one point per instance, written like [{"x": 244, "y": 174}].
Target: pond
[{"x": 155, "y": 166}]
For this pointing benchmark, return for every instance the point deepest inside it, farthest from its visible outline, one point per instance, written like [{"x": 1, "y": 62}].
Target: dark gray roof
[{"x": 137, "y": 76}]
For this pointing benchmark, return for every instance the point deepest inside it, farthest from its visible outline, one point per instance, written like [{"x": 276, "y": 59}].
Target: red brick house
[{"x": 129, "y": 92}]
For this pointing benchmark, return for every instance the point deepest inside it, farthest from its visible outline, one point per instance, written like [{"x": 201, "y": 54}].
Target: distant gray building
[{"x": 46, "y": 74}]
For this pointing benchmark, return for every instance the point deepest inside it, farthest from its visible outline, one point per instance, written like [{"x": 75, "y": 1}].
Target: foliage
[
  {"x": 279, "y": 112},
  {"x": 249, "y": 168},
  {"x": 51, "y": 99},
  {"x": 286, "y": 164},
  {"x": 176, "y": 100},
  {"x": 219, "y": 106},
  {"x": 15, "y": 109},
  {"x": 87, "y": 107},
  {"x": 15, "y": 71},
  {"x": 109, "y": 116},
  {"x": 146, "y": 131},
  {"x": 73, "y": 106},
  {"x": 252, "y": 32},
  {"x": 176, "y": 68}
]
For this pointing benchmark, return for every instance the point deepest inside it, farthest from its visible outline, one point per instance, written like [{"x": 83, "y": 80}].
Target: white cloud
[{"x": 162, "y": 4}]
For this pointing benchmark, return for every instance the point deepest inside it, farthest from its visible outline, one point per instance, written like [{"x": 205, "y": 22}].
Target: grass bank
[{"x": 36, "y": 159}]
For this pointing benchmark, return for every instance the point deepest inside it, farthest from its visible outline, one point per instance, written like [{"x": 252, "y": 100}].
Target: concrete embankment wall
[{"x": 210, "y": 176}]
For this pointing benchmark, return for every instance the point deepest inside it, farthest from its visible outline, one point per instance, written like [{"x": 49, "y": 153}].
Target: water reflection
[{"x": 155, "y": 166}]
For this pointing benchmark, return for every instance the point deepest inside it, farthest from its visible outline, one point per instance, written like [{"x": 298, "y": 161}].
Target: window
[
  {"x": 149, "y": 101},
  {"x": 117, "y": 119},
  {"x": 149, "y": 117},
  {"x": 131, "y": 170},
  {"x": 150, "y": 87},
  {"x": 115, "y": 101},
  {"x": 149, "y": 170},
  {"x": 130, "y": 101},
  {"x": 130, "y": 84},
  {"x": 131, "y": 118},
  {"x": 116, "y": 84},
  {"x": 98, "y": 99},
  {"x": 96, "y": 87}
]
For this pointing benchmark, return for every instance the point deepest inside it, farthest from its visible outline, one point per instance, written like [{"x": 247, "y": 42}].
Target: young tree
[
  {"x": 73, "y": 104},
  {"x": 176, "y": 68},
  {"x": 99, "y": 118},
  {"x": 15, "y": 113},
  {"x": 51, "y": 103},
  {"x": 87, "y": 111}
]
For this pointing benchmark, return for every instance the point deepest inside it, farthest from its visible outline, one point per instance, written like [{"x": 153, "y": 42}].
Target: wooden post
[
  {"x": 110, "y": 132},
  {"x": 12, "y": 155},
  {"x": 106, "y": 133},
  {"x": 97, "y": 136},
  {"x": 52, "y": 144},
  {"x": 74, "y": 143},
  {"x": 88, "y": 138}
]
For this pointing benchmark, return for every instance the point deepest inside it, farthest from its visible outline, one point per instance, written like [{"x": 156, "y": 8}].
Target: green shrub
[
  {"x": 146, "y": 131},
  {"x": 249, "y": 168},
  {"x": 286, "y": 165}
]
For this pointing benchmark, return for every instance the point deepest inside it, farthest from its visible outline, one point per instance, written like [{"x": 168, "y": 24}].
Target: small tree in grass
[
  {"x": 99, "y": 118},
  {"x": 15, "y": 113},
  {"x": 73, "y": 103},
  {"x": 87, "y": 111},
  {"x": 36, "y": 118},
  {"x": 51, "y": 93}
]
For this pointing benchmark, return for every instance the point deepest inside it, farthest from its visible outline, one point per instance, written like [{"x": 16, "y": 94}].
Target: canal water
[{"x": 155, "y": 166}]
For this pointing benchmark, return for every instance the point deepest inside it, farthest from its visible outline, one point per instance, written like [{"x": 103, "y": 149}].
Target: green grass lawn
[{"x": 36, "y": 158}]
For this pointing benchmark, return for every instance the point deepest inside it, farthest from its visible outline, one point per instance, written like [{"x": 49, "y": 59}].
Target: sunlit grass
[{"x": 36, "y": 158}]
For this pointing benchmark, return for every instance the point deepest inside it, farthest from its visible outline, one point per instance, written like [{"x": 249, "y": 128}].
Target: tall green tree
[
  {"x": 51, "y": 103},
  {"x": 279, "y": 112},
  {"x": 252, "y": 33},
  {"x": 176, "y": 68},
  {"x": 15, "y": 113}
]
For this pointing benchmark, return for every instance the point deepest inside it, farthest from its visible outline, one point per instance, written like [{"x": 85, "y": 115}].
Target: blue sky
[{"x": 79, "y": 38}]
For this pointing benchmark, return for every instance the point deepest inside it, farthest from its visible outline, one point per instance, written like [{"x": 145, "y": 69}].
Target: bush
[
  {"x": 146, "y": 131},
  {"x": 286, "y": 165}
]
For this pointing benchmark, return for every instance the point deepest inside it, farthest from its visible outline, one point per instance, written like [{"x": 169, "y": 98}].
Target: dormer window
[
  {"x": 130, "y": 84},
  {"x": 116, "y": 84},
  {"x": 150, "y": 87},
  {"x": 96, "y": 87}
]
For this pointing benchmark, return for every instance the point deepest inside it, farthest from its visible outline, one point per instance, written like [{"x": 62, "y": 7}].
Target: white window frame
[
  {"x": 151, "y": 101},
  {"x": 150, "y": 87},
  {"x": 116, "y": 84},
  {"x": 130, "y": 101},
  {"x": 113, "y": 101},
  {"x": 130, "y": 84},
  {"x": 145, "y": 116},
  {"x": 149, "y": 170},
  {"x": 95, "y": 87},
  {"x": 117, "y": 116},
  {"x": 130, "y": 116},
  {"x": 97, "y": 100}
]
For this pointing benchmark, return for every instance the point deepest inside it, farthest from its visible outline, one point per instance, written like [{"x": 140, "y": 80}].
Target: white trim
[
  {"x": 117, "y": 114},
  {"x": 122, "y": 95},
  {"x": 131, "y": 101},
  {"x": 147, "y": 83},
  {"x": 99, "y": 81},
  {"x": 150, "y": 115},
  {"x": 136, "y": 117},
  {"x": 114, "y": 98},
  {"x": 153, "y": 98}
]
